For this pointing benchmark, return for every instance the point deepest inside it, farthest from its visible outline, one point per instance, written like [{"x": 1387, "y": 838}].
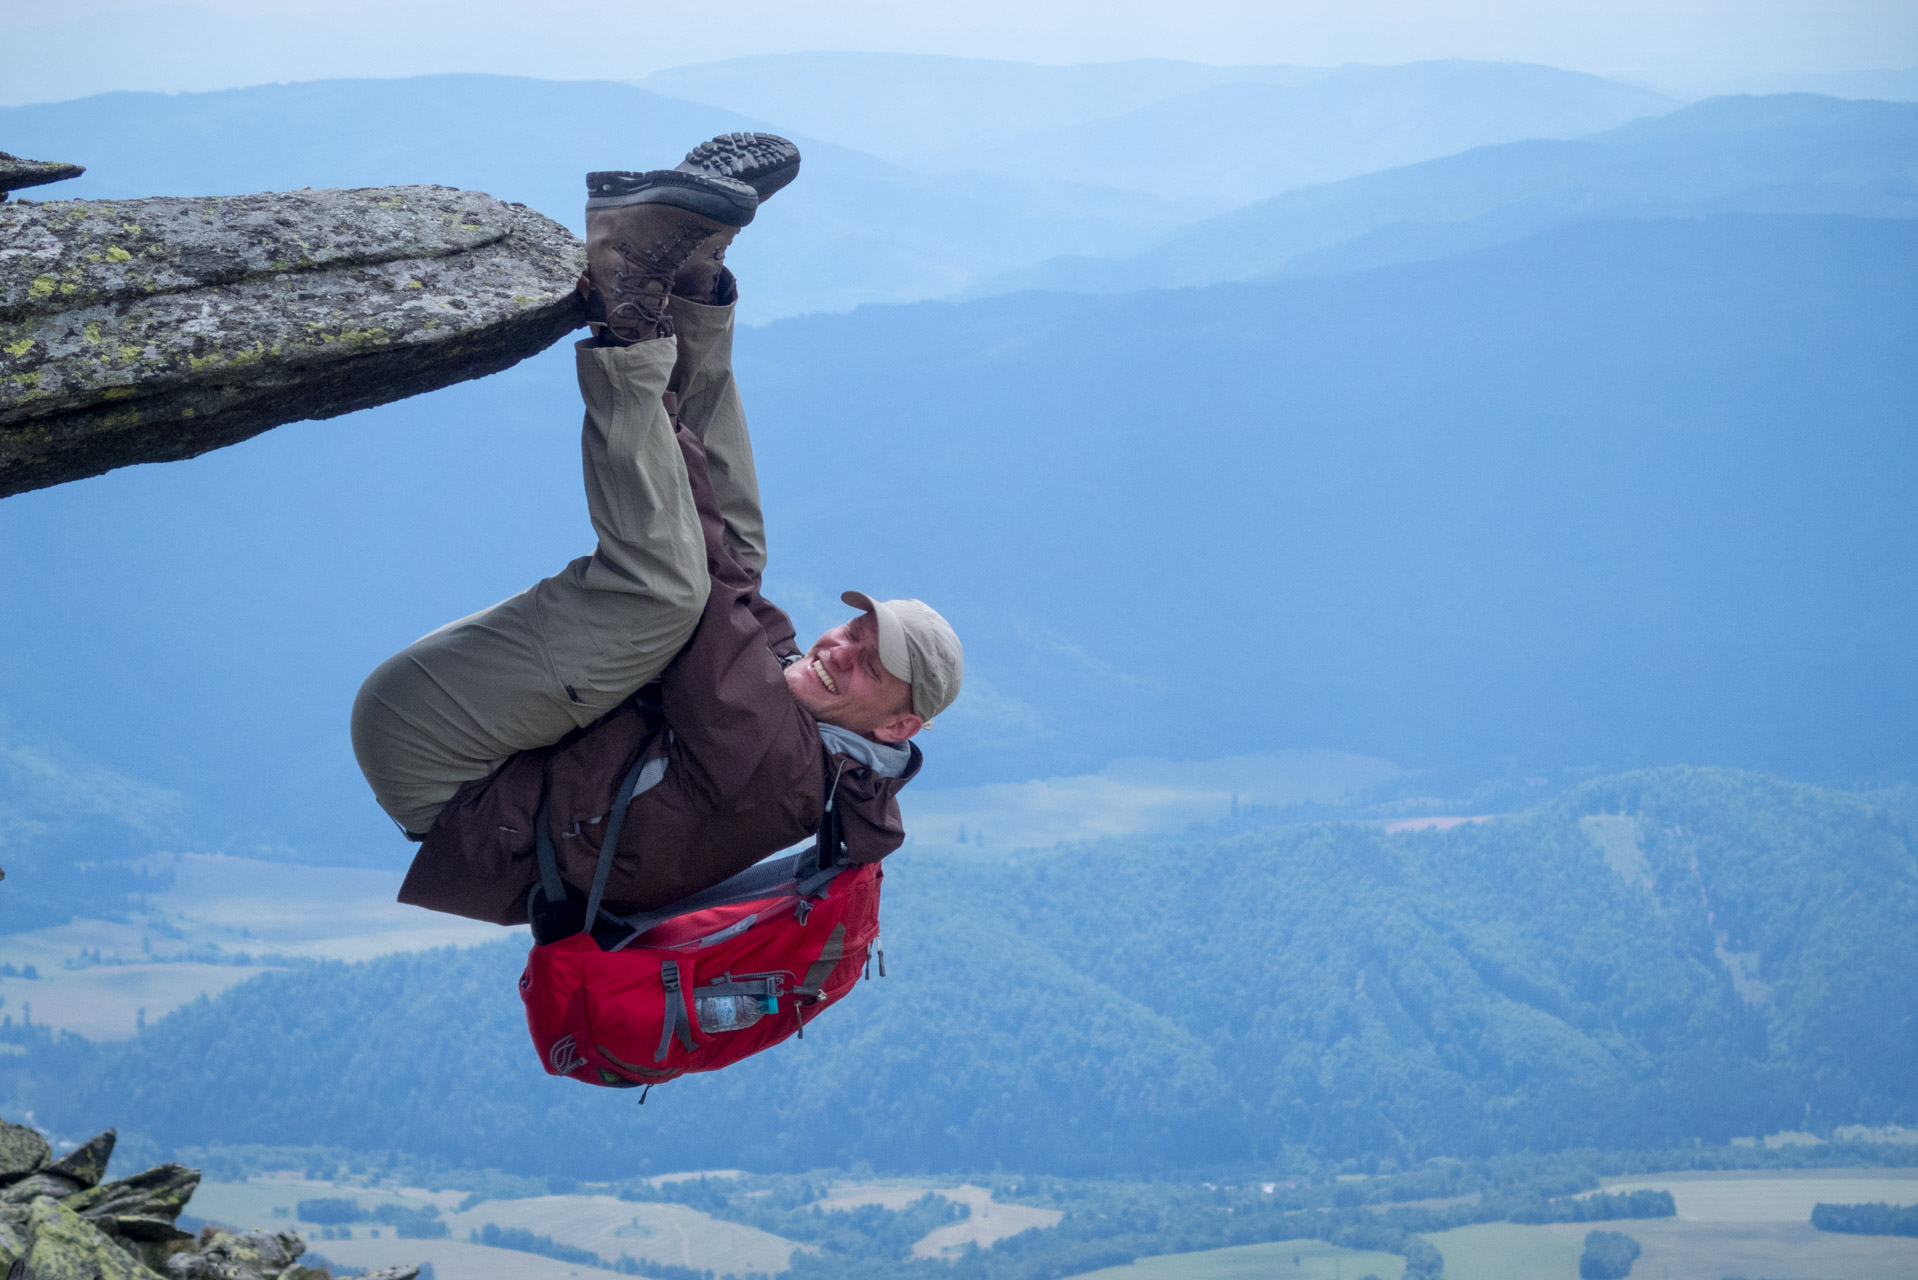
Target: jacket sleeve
[{"x": 725, "y": 695}]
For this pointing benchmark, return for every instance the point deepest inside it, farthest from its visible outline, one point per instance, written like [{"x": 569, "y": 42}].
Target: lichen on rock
[
  {"x": 153, "y": 330},
  {"x": 68, "y": 1247},
  {"x": 125, "y": 1229},
  {"x": 22, "y": 1151},
  {"x": 86, "y": 1164}
]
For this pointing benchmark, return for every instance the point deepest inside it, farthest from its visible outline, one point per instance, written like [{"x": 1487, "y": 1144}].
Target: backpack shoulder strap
[
  {"x": 644, "y": 775},
  {"x": 826, "y": 858}
]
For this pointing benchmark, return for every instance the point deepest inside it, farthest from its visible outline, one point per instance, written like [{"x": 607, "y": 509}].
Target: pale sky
[{"x": 69, "y": 48}]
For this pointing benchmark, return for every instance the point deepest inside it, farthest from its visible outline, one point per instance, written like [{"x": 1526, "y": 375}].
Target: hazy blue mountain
[
  {"x": 1657, "y": 957},
  {"x": 1786, "y": 154},
  {"x": 854, "y": 230},
  {"x": 1890, "y": 84},
  {"x": 1617, "y": 494},
  {"x": 1238, "y": 142},
  {"x": 901, "y": 105}
]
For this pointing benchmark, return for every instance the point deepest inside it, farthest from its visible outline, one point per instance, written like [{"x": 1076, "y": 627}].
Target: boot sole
[
  {"x": 765, "y": 162},
  {"x": 724, "y": 200}
]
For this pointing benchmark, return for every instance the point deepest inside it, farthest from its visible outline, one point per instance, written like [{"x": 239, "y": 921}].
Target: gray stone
[
  {"x": 16, "y": 173},
  {"x": 235, "y": 1255},
  {"x": 22, "y": 1150},
  {"x": 15, "y": 1240},
  {"x": 86, "y": 1164},
  {"x": 154, "y": 330},
  {"x": 141, "y": 1207},
  {"x": 40, "y": 1186}
]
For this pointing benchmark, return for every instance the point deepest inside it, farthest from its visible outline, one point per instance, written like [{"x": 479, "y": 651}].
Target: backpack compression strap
[{"x": 643, "y": 776}]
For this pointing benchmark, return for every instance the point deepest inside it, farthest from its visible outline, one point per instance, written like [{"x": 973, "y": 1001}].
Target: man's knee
[{"x": 380, "y": 733}]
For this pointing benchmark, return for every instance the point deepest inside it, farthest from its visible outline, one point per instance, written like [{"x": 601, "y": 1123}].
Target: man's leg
[
  {"x": 709, "y": 407},
  {"x": 455, "y": 704}
]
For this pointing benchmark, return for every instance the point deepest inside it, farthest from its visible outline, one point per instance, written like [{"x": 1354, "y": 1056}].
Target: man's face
[{"x": 841, "y": 681}]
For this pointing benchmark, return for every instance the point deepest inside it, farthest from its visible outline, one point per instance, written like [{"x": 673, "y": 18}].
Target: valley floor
[
  {"x": 669, "y": 1234},
  {"x": 1737, "y": 1223}
]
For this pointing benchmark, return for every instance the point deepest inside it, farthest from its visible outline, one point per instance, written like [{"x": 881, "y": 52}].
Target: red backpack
[{"x": 696, "y": 986}]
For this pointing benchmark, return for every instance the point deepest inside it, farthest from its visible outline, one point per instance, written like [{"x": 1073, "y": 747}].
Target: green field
[
  {"x": 665, "y": 1233},
  {"x": 1285, "y": 1260},
  {"x": 1507, "y": 1251}
]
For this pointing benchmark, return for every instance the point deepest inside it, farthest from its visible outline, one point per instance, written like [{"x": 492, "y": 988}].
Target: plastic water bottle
[{"x": 730, "y": 1013}]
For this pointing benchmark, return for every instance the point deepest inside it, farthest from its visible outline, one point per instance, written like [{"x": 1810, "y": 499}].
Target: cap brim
[{"x": 893, "y": 654}]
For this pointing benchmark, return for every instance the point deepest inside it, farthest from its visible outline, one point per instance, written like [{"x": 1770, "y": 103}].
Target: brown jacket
[{"x": 746, "y": 773}]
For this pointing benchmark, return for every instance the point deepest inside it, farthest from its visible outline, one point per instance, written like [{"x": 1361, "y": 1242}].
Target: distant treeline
[
  {"x": 1867, "y": 1219},
  {"x": 1604, "y": 1207},
  {"x": 1109, "y": 1224},
  {"x": 408, "y": 1222},
  {"x": 522, "y": 1240}
]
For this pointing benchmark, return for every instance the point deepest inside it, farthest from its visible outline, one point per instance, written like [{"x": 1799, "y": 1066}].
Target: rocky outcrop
[
  {"x": 63, "y": 1223},
  {"x": 16, "y": 172},
  {"x": 154, "y": 330}
]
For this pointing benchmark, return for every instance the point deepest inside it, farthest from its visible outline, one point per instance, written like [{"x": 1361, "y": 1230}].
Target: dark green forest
[{"x": 1652, "y": 959}]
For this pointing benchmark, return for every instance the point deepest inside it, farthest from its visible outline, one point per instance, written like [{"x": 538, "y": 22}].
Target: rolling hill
[
  {"x": 1205, "y": 138},
  {"x": 1786, "y": 154},
  {"x": 1236, "y": 142},
  {"x": 1656, "y": 957}
]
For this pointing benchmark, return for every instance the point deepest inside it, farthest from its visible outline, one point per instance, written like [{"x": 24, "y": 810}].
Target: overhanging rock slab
[{"x": 155, "y": 330}]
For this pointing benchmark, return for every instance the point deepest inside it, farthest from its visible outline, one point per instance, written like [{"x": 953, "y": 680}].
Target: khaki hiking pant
[{"x": 453, "y": 705}]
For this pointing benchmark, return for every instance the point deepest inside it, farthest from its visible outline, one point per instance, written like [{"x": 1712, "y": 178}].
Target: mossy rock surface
[
  {"x": 235, "y": 1255},
  {"x": 141, "y": 1207},
  {"x": 22, "y": 1151},
  {"x": 86, "y": 1164},
  {"x": 14, "y": 1238},
  {"x": 40, "y": 1186},
  {"x": 68, "y": 1247},
  {"x": 154, "y": 330}
]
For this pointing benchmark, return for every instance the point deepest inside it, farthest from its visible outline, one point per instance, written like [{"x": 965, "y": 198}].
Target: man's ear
[{"x": 899, "y": 728}]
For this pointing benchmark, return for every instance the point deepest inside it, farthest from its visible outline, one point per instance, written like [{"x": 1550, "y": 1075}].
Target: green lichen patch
[{"x": 68, "y": 1247}]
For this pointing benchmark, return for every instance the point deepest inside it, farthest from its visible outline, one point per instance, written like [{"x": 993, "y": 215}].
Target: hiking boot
[
  {"x": 704, "y": 277},
  {"x": 763, "y": 161},
  {"x": 641, "y": 228}
]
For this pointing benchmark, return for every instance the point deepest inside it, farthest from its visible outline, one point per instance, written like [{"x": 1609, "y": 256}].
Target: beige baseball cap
[{"x": 919, "y": 647}]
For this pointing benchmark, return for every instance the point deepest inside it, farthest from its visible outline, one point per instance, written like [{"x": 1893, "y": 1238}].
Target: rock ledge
[{"x": 154, "y": 330}]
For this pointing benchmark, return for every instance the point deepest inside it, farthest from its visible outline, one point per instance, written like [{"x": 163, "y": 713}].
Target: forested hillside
[{"x": 1655, "y": 957}]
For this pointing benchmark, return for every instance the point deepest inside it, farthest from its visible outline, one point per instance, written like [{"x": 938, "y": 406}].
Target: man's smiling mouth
[{"x": 819, "y": 669}]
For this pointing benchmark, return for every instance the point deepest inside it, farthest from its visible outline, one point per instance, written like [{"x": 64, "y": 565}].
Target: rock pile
[
  {"x": 154, "y": 330},
  {"x": 59, "y": 1221}
]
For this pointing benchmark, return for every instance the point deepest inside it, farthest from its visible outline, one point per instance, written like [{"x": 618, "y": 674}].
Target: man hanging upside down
[{"x": 658, "y": 644}]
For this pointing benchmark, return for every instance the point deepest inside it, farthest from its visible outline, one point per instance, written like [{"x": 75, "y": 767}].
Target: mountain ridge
[{"x": 1788, "y": 154}]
